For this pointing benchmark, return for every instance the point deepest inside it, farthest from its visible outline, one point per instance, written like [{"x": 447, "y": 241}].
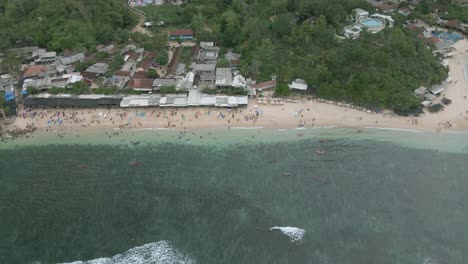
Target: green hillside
[{"x": 62, "y": 24}]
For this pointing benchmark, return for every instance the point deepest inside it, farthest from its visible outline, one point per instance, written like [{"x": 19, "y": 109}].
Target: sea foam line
[
  {"x": 146, "y": 129},
  {"x": 161, "y": 252},
  {"x": 395, "y": 129},
  {"x": 455, "y": 132},
  {"x": 304, "y": 128},
  {"x": 246, "y": 128}
]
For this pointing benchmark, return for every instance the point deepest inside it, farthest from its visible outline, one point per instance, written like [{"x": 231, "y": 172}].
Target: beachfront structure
[
  {"x": 182, "y": 34},
  {"x": 420, "y": 91},
  {"x": 63, "y": 81},
  {"x": 192, "y": 99},
  {"x": 186, "y": 83},
  {"x": 438, "y": 88},
  {"x": 298, "y": 84},
  {"x": 360, "y": 14},
  {"x": 68, "y": 100},
  {"x": 265, "y": 85},
  {"x": 239, "y": 82}
]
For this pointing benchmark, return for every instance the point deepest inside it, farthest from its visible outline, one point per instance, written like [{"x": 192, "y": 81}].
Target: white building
[
  {"x": 360, "y": 14},
  {"x": 298, "y": 84}
]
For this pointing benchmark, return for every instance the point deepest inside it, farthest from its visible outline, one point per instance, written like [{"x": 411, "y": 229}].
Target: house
[
  {"x": 443, "y": 47},
  {"x": 385, "y": 8},
  {"x": 186, "y": 83},
  {"x": 141, "y": 75},
  {"x": 352, "y": 31},
  {"x": 265, "y": 85},
  {"x": 96, "y": 70},
  {"x": 111, "y": 49},
  {"x": 141, "y": 84},
  {"x": 63, "y": 81},
  {"x": 80, "y": 57},
  {"x": 158, "y": 83},
  {"x": 39, "y": 71},
  {"x": 25, "y": 52},
  {"x": 6, "y": 81},
  {"x": 207, "y": 79},
  {"x": 182, "y": 34},
  {"x": 404, "y": 11},
  {"x": 207, "y": 53},
  {"x": 123, "y": 73},
  {"x": 360, "y": 14},
  {"x": 438, "y": 88},
  {"x": 239, "y": 82},
  {"x": 223, "y": 77},
  {"x": 200, "y": 68},
  {"x": 298, "y": 84},
  {"x": 454, "y": 24},
  {"x": 116, "y": 81},
  {"x": 420, "y": 91},
  {"x": 41, "y": 56}
]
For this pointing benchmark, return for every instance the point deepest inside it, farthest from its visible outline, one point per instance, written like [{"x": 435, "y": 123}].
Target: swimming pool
[{"x": 372, "y": 23}]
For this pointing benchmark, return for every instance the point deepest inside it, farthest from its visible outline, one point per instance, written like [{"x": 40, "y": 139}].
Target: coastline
[{"x": 303, "y": 114}]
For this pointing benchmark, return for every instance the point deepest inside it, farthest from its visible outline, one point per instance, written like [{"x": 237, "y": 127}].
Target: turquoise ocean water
[{"x": 373, "y": 196}]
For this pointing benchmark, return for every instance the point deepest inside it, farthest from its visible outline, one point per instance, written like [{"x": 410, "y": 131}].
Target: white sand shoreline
[{"x": 310, "y": 114}]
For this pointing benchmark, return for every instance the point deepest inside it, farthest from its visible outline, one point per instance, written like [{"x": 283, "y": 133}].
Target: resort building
[
  {"x": 360, "y": 14},
  {"x": 363, "y": 21},
  {"x": 298, "y": 84}
]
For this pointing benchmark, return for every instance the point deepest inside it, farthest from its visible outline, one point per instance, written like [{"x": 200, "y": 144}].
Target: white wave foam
[
  {"x": 430, "y": 260},
  {"x": 160, "y": 252},
  {"x": 395, "y": 129},
  {"x": 296, "y": 234},
  {"x": 246, "y": 128}
]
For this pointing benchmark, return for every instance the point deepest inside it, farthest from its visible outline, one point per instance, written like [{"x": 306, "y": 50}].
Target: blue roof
[{"x": 9, "y": 95}]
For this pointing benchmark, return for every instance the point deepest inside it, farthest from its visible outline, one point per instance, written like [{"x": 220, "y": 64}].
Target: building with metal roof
[
  {"x": 80, "y": 57},
  {"x": 223, "y": 77}
]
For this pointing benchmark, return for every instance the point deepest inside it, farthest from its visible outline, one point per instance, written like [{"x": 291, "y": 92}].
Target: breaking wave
[
  {"x": 160, "y": 252},
  {"x": 296, "y": 234}
]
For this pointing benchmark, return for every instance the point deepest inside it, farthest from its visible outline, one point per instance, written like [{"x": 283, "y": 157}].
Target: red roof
[
  {"x": 434, "y": 40},
  {"x": 414, "y": 27},
  {"x": 35, "y": 70},
  {"x": 453, "y": 23},
  {"x": 265, "y": 85},
  {"x": 140, "y": 75},
  {"x": 141, "y": 83},
  {"x": 387, "y": 7},
  {"x": 182, "y": 32},
  {"x": 123, "y": 73}
]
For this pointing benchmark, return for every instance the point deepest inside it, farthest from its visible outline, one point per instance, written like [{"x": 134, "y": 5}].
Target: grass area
[
  {"x": 185, "y": 58},
  {"x": 171, "y": 15}
]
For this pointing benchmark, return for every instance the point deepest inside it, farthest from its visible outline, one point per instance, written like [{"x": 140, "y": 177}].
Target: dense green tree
[
  {"x": 60, "y": 25},
  {"x": 162, "y": 58},
  {"x": 153, "y": 74}
]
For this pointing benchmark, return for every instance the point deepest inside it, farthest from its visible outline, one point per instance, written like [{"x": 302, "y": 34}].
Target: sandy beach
[{"x": 302, "y": 113}]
